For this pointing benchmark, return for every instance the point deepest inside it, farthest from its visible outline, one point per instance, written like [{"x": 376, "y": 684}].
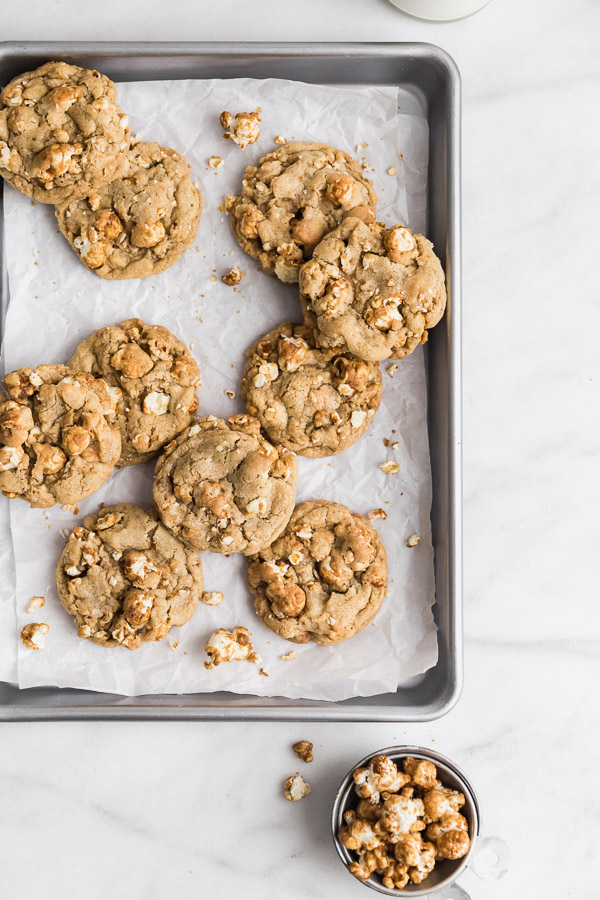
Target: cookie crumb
[
  {"x": 264, "y": 672},
  {"x": 377, "y": 514},
  {"x": 72, "y": 508},
  {"x": 230, "y": 394},
  {"x": 213, "y": 278},
  {"x": 280, "y": 139},
  {"x": 391, "y": 370},
  {"x": 225, "y": 646},
  {"x": 234, "y": 276},
  {"x": 216, "y": 162},
  {"x": 35, "y": 603},
  {"x": 174, "y": 645},
  {"x": 413, "y": 541},
  {"x": 391, "y": 171},
  {"x": 212, "y": 598},
  {"x": 303, "y": 750},
  {"x": 243, "y": 128},
  {"x": 295, "y": 788},
  {"x": 389, "y": 467},
  {"x": 288, "y": 657},
  {"x": 34, "y": 635},
  {"x": 227, "y": 204}
]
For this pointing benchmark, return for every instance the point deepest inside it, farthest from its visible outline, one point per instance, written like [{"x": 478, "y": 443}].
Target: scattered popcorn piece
[
  {"x": 234, "y": 276},
  {"x": 391, "y": 370},
  {"x": 34, "y": 634},
  {"x": 280, "y": 139},
  {"x": 377, "y": 514},
  {"x": 242, "y": 129},
  {"x": 213, "y": 278},
  {"x": 212, "y": 598},
  {"x": 389, "y": 467},
  {"x": 413, "y": 541},
  {"x": 225, "y": 646},
  {"x": 35, "y": 603},
  {"x": 288, "y": 657},
  {"x": 295, "y": 788},
  {"x": 216, "y": 162},
  {"x": 396, "y": 445},
  {"x": 174, "y": 645},
  {"x": 255, "y": 657},
  {"x": 391, "y": 170},
  {"x": 264, "y": 672},
  {"x": 303, "y": 750},
  {"x": 230, "y": 394}
]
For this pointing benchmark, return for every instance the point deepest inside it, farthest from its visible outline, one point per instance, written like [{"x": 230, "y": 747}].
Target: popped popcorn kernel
[
  {"x": 34, "y": 604},
  {"x": 296, "y": 788}
]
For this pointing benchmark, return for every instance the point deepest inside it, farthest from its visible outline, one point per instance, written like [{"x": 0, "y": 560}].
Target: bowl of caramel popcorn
[{"x": 405, "y": 820}]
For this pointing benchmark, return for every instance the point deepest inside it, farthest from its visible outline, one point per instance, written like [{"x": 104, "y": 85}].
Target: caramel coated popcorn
[
  {"x": 296, "y": 788},
  {"x": 34, "y": 604},
  {"x": 225, "y": 646},
  {"x": 234, "y": 276},
  {"x": 34, "y": 635},
  {"x": 303, "y": 750},
  {"x": 404, "y": 823},
  {"x": 242, "y": 129}
]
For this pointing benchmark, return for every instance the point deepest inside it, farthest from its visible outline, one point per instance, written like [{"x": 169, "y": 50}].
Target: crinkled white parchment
[{"x": 55, "y": 302}]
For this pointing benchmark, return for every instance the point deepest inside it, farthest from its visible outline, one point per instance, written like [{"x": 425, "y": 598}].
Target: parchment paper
[{"x": 55, "y": 302}]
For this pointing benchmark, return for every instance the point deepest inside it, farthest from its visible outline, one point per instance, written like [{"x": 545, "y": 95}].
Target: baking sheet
[{"x": 55, "y": 302}]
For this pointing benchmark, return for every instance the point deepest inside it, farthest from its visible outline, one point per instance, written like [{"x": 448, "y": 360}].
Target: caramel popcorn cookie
[
  {"x": 292, "y": 198},
  {"x": 220, "y": 486},
  {"x": 140, "y": 223},
  {"x": 324, "y": 579},
  {"x": 372, "y": 290},
  {"x": 58, "y": 443},
  {"x": 125, "y": 579},
  {"x": 61, "y": 132},
  {"x": 314, "y": 401},
  {"x": 152, "y": 377}
]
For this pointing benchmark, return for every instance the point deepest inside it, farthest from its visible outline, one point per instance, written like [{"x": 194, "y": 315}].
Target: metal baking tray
[{"x": 429, "y": 86}]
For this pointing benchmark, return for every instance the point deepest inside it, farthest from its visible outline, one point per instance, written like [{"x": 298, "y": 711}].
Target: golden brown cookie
[
  {"x": 372, "y": 290},
  {"x": 140, "y": 223},
  {"x": 316, "y": 402},
  {"x": 220, "y": 486},
  {"x": 292, "y": 198},
  {"x": 323, "y": 579},
  {"x": 153, "y": 378},
  {"x": 61, "y": 132},
  {"x": 125, "y": 579},
  {"x": 58, "y": 443}
]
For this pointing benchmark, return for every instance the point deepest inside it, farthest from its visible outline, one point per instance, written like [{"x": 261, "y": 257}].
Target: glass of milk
[{"x": 440, "y": 10}]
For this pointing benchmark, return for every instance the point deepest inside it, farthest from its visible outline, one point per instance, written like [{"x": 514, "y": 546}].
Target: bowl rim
[{"x": 395, "y": 752}]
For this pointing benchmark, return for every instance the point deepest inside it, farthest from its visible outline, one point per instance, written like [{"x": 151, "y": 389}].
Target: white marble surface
[{"x": 191, "y": 810}]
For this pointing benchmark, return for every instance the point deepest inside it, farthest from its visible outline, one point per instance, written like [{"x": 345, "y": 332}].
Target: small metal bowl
[{"x": 445, "y": 872}]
